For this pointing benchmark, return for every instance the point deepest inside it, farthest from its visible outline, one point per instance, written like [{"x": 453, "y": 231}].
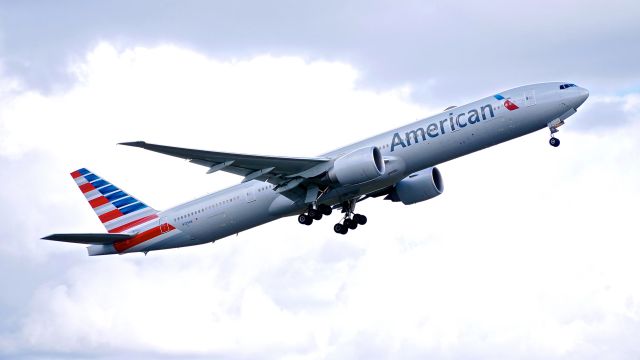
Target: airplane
[{"x": 399, "y": 164}]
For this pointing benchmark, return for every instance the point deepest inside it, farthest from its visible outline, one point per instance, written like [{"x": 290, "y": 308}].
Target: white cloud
[
  {"x": 606, "y": 112},
  {"x": 530, "y": 253}
]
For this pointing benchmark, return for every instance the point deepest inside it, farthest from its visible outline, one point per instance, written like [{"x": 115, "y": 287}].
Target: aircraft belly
[{"x": 170, "y": 240}]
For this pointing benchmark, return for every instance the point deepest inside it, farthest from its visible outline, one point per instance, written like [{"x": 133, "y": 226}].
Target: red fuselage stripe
[{"x": 142, "y": 237}]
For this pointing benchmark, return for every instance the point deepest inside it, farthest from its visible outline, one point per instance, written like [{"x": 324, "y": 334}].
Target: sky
[{"x": 531, "y": 252}]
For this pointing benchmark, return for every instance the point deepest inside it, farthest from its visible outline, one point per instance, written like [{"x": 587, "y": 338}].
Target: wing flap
[{"x": 89, "y": 239}]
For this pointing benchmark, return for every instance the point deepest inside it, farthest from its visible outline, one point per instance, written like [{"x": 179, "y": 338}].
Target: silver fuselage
[{"x": 406, "y": 150}]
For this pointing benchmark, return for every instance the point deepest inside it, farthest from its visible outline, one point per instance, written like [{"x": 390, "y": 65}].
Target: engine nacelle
[
  {"x": 357, "y": 166},
  {"x": 420, "y": 186}
]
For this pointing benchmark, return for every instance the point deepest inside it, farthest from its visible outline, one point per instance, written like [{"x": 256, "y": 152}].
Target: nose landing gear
[{"x": 553, "y": 127}]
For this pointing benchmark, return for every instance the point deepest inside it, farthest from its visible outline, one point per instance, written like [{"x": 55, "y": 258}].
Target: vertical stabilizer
[{"x": 118, "y": 211}]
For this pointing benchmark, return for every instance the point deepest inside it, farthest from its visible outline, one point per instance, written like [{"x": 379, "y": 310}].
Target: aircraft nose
[
  {"x": 575, "y": 96},
  {"x": 581, "y": 96}
]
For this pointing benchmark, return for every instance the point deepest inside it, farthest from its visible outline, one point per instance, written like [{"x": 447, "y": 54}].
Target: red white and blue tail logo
[
  {"x": 117, "y": 210},
  {"x": 510, "y": 105}
]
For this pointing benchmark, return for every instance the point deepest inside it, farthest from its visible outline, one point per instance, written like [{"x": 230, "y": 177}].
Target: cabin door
[
  {"x": 251, "y": 195},
  {"x": 530, "y": 98}
]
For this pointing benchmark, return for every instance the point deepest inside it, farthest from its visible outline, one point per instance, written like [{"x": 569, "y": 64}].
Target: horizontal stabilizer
[{"x": 92, "y": 239}]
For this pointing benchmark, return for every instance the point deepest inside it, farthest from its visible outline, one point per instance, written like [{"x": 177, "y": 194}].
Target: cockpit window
[{"x": 566, "y": 86}]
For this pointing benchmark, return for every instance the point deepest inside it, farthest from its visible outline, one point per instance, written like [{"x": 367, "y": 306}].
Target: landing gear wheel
[
  {"x": 351, "y": 224},
  {"x": 360, "y": 219},
  {"x": 325, "y": 209},
  {"x": 315, "y": 214},
  {"x": 555, "y": 142},
  {"x": 305, "y": 219},
  {"x": 340, "y": 229}
]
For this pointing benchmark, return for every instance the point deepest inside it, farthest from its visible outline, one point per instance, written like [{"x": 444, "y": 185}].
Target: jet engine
[
  {"x": 357, "y": 166},
  {"x": 420, "y": 186}
]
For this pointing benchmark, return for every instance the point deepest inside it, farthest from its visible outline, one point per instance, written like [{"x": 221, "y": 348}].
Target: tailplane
[{"x": 117, "y": 210}]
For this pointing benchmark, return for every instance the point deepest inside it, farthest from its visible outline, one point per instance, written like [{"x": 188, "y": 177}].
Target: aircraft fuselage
[{"x": 456, "y": 132}]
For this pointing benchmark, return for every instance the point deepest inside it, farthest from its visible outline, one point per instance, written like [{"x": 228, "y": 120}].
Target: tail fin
[{"x": 117, "y": 210}]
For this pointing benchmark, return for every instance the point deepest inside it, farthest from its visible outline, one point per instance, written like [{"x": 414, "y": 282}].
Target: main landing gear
[
  {"x": 350, "y": 221},
  {"x": 314, "y": 214},
  {"x": 555, "y": 142}
]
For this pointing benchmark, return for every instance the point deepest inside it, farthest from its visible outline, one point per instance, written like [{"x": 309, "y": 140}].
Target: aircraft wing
[{"x": 285, "y": 172}]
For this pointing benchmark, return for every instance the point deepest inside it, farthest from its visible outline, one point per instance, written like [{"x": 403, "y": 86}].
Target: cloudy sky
[{"x": 532, "y": 252}]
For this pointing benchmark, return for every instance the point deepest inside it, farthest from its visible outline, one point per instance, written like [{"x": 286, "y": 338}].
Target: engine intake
[
  {"x": 357, "y": 166},
  {"x": 420, "y": 186}
]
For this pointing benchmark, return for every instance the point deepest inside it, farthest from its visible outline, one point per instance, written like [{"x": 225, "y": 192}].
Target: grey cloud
[
  {"x": 600, "y": 113},
  {"x": 457, "y": 49}
]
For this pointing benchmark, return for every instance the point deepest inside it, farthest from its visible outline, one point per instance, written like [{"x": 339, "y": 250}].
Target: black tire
[
  {"x": 339, "y": 228},
  {"x": 351, "y": 224},
  {"x": 555, "y": 142},
  {"x": 315, "y": 214},
  {"x": 361, "y": 219},
  {"x": 325, "y": 209},
  {"x": 305, "y": 219}
]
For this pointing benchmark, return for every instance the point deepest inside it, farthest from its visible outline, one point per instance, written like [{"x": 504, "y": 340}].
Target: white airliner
[{"x": 398, "y": 164}]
